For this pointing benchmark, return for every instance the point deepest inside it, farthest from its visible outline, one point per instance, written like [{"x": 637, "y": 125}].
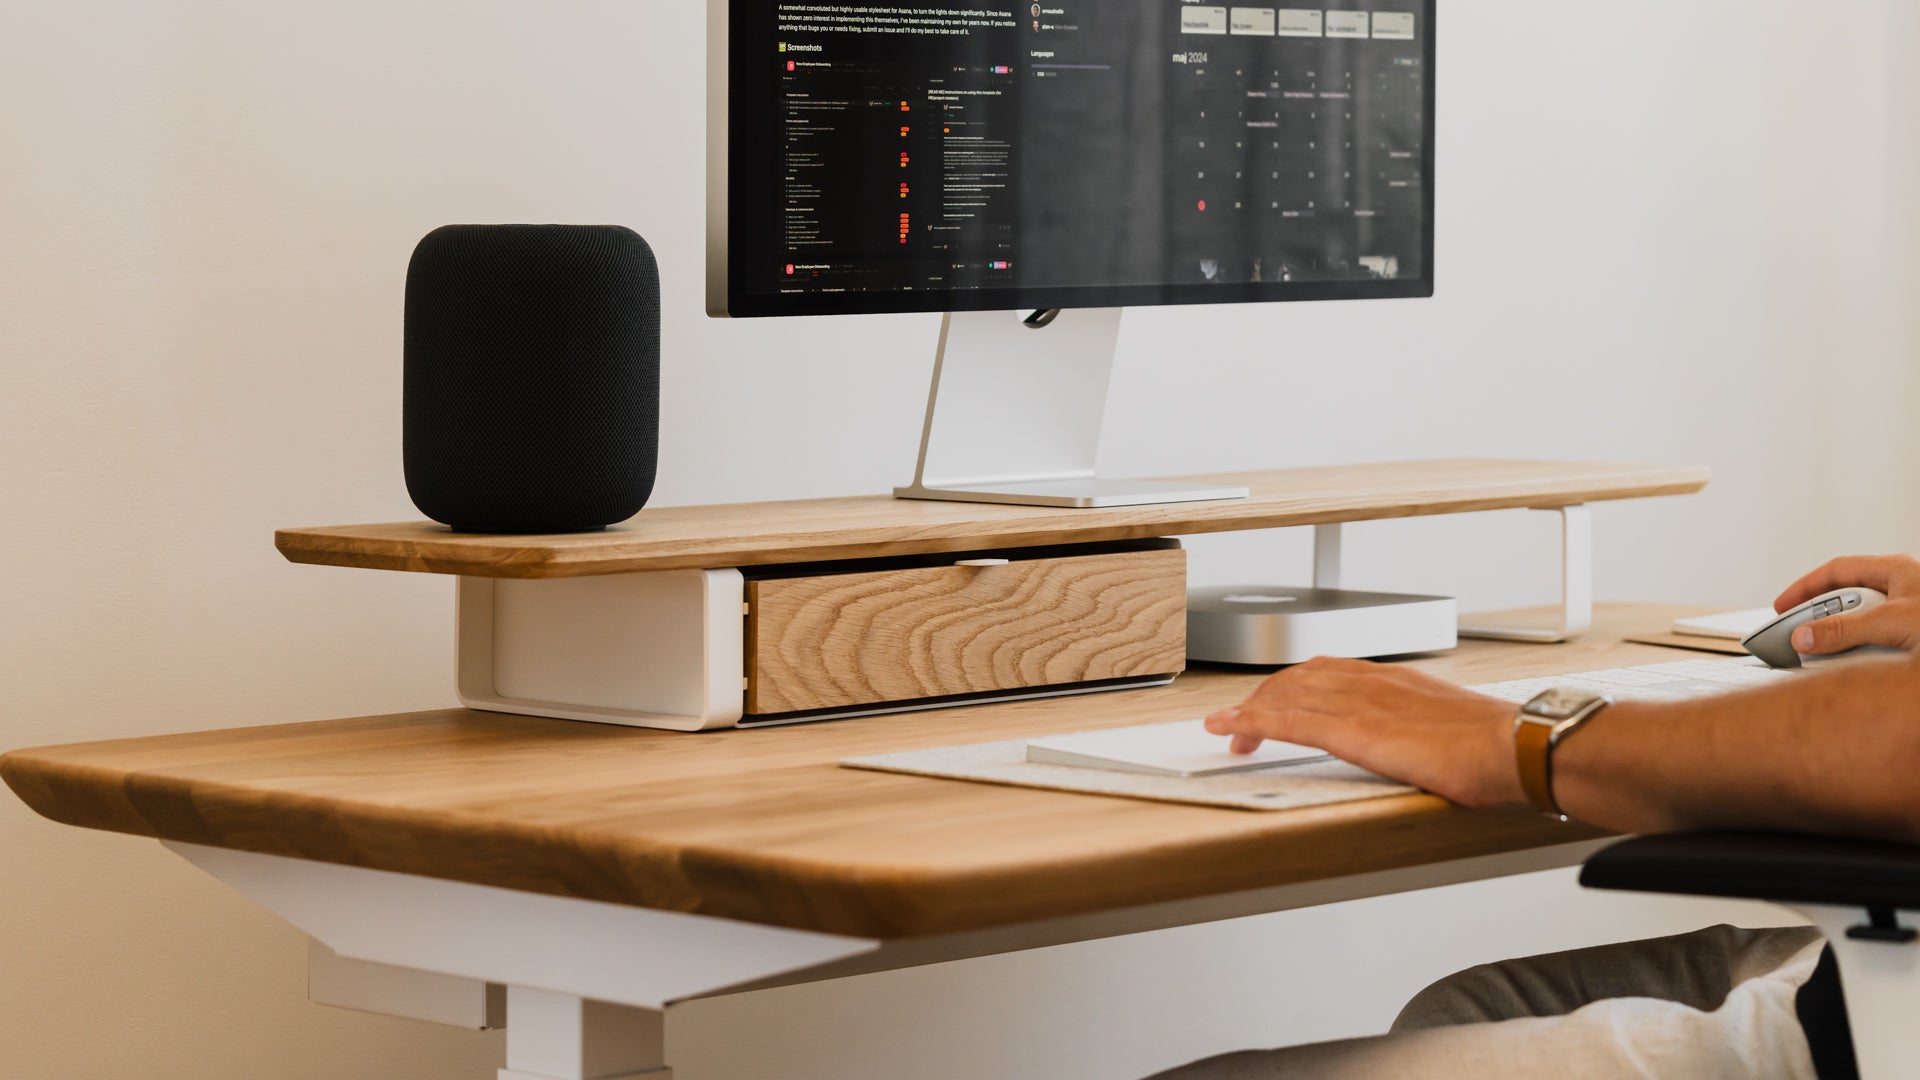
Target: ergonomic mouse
[{"x": 1773, "y": 642}]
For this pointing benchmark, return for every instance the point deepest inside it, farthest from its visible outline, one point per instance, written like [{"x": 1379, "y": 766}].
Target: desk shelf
[
  {"x": 864, "y": 527},
  {"x": 573, "y": 653}
]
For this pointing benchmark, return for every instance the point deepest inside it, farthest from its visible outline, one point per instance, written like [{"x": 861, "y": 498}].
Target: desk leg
[{"x": 553, "y": 1036}]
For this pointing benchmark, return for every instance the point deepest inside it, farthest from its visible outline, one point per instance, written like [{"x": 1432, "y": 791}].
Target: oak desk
[{"x": 601, "y": 873}]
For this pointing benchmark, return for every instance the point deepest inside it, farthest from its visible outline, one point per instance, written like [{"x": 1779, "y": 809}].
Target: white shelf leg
[
  {"x": 1576, "y": 585},
  {"x": 555, "y": 1036},
  {"x": 1326, "y": 556}
]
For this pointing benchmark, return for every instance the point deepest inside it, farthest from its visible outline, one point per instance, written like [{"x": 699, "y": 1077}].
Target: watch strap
[
  {"x": 1533, "y": 751},
  {"x": 1536, "y": 734}
]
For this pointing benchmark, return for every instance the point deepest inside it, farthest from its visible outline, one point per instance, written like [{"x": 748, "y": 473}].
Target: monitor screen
[{"x": 959, "y": 155}]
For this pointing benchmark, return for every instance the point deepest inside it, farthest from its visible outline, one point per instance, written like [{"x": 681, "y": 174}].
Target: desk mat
[
  {"x": 1695, "y": 642},
  {"x": 1281, "y": 787}
]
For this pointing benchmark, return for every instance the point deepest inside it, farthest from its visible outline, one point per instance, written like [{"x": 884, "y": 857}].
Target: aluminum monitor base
[{"x": 1015, "y": 411}]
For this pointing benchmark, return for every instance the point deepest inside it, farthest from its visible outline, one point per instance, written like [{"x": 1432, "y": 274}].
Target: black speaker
[{"x": 532, "y": 391}]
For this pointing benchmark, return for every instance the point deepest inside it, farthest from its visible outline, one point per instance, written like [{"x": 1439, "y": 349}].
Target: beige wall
[{"x": 1667, "y": 234}]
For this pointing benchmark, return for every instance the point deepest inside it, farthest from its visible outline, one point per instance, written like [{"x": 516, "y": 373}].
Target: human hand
[
  {"x": 1895, "y": 623},
  {"x": 1389, "y": 719}
]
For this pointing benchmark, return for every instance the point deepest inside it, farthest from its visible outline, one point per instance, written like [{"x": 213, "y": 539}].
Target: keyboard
[{"x": 1654, "y": 682}]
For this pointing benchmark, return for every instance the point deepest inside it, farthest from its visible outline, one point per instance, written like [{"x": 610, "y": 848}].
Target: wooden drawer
[{"x": 853, "y": 638}]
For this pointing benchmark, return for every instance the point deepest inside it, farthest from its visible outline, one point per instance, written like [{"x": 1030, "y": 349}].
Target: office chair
[{"x": 1874, "y": 1025}]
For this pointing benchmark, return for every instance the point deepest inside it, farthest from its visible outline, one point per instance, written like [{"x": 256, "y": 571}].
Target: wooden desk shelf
[
  {"x": 709, "y": 546},
  {"x": 756, "y": 534}
]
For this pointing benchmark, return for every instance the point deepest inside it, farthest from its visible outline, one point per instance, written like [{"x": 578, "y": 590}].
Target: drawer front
[{"x": 899, "y": 635}]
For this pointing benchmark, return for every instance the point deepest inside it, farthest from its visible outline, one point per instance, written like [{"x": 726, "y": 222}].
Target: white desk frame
[{"x": 588, "y": 985}]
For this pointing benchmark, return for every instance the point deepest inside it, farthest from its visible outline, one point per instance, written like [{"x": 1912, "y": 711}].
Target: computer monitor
[{"x": 1063, "y": 158}]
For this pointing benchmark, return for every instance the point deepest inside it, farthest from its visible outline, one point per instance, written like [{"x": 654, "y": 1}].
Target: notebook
[
  {"x": 1180, "y": 748},
  {"x": 1731, "y": 625}
]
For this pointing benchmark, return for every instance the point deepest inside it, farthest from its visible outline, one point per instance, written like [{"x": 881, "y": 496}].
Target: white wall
[{"x": 205, "y": 214}]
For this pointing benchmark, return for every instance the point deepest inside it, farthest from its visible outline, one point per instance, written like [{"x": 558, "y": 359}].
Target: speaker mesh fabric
[{"x": 532, "y": 387}]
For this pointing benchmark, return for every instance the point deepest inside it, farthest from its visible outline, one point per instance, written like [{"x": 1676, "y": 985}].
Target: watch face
[{"x": 1559, "y": 703}]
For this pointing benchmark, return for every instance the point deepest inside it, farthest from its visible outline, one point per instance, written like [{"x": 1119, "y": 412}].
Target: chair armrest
[{"x": 1762, "y": 866}]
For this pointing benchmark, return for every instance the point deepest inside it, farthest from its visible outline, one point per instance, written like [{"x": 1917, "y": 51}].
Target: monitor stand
[{"x": 1015, "y": 414}]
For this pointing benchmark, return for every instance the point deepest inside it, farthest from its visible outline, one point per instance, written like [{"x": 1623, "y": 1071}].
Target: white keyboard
[{"x": 1654, "y": 682}]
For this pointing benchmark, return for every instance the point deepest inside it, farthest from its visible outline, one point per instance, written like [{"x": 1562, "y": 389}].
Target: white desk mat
[{"x": 1281, "y": 787}]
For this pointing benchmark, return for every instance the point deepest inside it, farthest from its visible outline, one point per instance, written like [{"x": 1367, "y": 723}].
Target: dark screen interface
[{"x": 1099, "y": 143}]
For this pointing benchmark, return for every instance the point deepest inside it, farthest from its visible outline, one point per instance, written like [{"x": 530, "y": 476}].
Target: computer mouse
[{"x": 1773, "y": 642}]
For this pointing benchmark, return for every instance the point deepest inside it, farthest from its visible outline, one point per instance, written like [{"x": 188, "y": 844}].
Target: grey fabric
[
  {"x": 1698, "y": 970},
  {"x": 1715, "y": 1003}
]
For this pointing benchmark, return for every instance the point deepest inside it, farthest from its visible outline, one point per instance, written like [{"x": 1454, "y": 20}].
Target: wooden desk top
[
  {"x": 753, "y": 534},
  {"x": 761, "y": 825}
]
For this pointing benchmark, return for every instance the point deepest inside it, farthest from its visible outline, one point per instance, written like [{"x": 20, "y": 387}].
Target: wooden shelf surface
[
  {"x": 762, "y": 825},
  {"x": 752, "y": 534}
]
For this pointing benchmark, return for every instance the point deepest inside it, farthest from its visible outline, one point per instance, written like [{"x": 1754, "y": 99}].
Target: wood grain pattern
[
  {"x": 758, "y": 534},
  {"x": 894, "y": 635},
  {"x": 761, "y": 825}
]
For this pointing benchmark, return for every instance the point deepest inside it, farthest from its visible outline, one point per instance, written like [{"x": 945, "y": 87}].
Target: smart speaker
[{"x": 532, "y": 389}]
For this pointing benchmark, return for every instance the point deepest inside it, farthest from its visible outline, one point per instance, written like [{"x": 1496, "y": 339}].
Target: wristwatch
[{"x": 1543, "y": 724}]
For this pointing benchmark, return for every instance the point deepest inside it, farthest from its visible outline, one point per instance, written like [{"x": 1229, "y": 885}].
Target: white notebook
[
  {"x": 1730, "y": 625},
  {"x": 1179, "y": 748}
]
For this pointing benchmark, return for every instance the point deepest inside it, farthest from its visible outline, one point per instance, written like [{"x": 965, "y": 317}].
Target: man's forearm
[{"x": 1835, "y": 752}]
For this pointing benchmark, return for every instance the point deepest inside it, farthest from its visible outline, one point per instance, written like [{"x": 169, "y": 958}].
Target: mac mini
[{"x": 1274, "y": 625}]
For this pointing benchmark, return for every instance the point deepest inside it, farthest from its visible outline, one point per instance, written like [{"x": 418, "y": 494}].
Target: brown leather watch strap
[{"x": 1532, "y": 743}]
